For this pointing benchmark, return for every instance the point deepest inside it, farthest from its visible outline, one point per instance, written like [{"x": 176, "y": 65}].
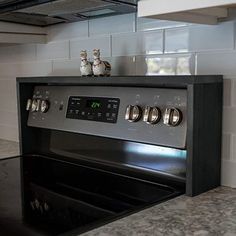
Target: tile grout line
[
  {"x": 135, "y": 23},
  {"x": 36, "y": 53},
  {"x": 164, "y": 41},
  {"x": 231, "y": 103},
  {"x": 234, "y": 30},
  {"x": 88, "y": 28},
  {"x": 52, "y": 66},
  {"x": 231, "y": 158},
  {"x": 69, "y": 50},
  {"x": 111, "y": 43},
  {"x": 195, "y": 63}
]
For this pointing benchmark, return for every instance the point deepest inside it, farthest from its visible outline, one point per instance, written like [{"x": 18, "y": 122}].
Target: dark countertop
[{"x": 209, "y": 214}]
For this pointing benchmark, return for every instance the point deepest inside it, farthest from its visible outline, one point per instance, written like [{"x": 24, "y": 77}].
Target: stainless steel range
[{"x": 96, "y": 149}]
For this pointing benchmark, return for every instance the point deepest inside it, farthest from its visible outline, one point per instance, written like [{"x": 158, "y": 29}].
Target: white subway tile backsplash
[
  {"x": 226, "y": 146},
  {"x": 145, "y": 24},
  {"x": 66, "y": 68},
  {"x": 8, "y": 102},
  {"x": 165, "y": 65},
  {"x": 204, "y": 38},
  {"x": 219, "y": 63},
  {"x": 67, "y": 31},
  {"x": 177, "y": 40},
  {"x": 8, "y": 118},
  {"x": 233, "y": 91},
  {"x": 8, "y": 87},
  {"x": 9, "y": 71},
  {"x": 228, "y": 173},
  {"x": 140, "y": 43},
  {"x": 35, "y": 68},
  {"x": 17, "y": 53},
  {"x": 54, "y": 50},
  {"x": 120, "y": 66},
  {"x": 122, "y": 46},
  {"x": 233, "y": 148},
  {"x": 9, "y": 132},
  {"x": 112, "y": 25},
  {"x": 123, "y": 65},
  {"x": 227, "y": 93},
  {"x": 198, "y": 38},
  {"x": 152, "y": 42},
  {"x": 102, "y": 42},
  {"x": 7, "y": 98},
  {"x": 229, "y": 118}
]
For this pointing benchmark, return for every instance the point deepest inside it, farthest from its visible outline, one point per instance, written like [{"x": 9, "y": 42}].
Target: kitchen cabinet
[
  {"x": 194, "y": 11},
  {"x": 11, "y": 33}
]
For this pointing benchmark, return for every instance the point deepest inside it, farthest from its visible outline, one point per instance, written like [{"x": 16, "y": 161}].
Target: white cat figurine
[
  {"x": 86, "y": 66},
  {"x": 100, "y": 68}
]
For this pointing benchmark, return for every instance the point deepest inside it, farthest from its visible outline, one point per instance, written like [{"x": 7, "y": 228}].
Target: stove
[{"x": 97, "y": 149}]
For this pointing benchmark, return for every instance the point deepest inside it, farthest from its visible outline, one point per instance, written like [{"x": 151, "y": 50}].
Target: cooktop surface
[
  {"x": 10, "y": 200},
  {"x": 73, "y": 207}
]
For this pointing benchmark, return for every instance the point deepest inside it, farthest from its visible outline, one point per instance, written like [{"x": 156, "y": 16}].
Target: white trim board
[
  {"x": 156, "y": 7},
  {"x": 194, "y": 11}
]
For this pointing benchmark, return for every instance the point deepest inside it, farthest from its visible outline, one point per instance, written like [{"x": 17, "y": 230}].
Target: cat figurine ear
[
  {"x": 100, "y": 68},
  {"x": 86, "y": 66},
  {"x": 96, "y": 53}
]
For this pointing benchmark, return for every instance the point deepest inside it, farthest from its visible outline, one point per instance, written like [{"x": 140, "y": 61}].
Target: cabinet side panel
[{"x": 204, "y": 130}]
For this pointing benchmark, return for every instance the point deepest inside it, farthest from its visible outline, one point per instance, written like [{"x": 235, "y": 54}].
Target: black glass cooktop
[
  {"x": 66, "y": 199},
  {"x": 11, "y": 222}
]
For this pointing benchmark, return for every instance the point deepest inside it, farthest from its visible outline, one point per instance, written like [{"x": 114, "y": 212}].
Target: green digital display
[{"x": 94, "y": 104}]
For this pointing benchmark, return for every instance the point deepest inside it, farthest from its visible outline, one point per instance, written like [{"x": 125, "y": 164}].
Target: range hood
[{"x": 49, "y": 12}]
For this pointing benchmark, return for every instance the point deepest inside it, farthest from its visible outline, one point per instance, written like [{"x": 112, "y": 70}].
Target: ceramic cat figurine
[
  {"x": 100, "y": 68},
  {"x": 86, "y": 66}
]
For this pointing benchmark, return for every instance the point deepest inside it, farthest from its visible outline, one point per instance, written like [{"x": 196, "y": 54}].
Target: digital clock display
[
  {"x": 94, "y": 104},
  {"x": 101, "y": 109}
]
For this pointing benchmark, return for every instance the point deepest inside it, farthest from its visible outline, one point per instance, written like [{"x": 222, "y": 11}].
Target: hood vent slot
[
  {"x": 62, "y": 7},
  {"x": 43, "y": 12}
]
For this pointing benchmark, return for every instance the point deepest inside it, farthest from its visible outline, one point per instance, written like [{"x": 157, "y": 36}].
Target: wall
[{"x": 134, "y": 47}]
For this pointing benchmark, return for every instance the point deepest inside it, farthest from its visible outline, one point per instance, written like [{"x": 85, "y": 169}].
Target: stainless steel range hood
[{"x": 48, "y": 12}]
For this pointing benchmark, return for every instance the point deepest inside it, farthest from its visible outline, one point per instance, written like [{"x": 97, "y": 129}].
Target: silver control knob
[
  {"x": 152, "y": 115},
  {"x": 34, "y": 105},
  {"x": 38, "y": 105},
  {"x": 172, "y": 116},
  {"x": 133, "y": 113},
  {"x": 44, "y": 106},
  {"x": 28, "y": 104}
]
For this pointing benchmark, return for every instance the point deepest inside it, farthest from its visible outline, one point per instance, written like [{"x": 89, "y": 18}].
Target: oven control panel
[
  {"x": 149, "y": 115},
  {"x": 93, "y": 108}
]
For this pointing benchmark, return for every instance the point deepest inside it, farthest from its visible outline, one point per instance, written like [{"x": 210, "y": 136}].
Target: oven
[{"x": 97, "y": 149}]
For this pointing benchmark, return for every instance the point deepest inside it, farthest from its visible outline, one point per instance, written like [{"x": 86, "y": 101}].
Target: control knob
[
  {"x": 44, "y": 106},
  {"x": 152, "y": 115},
  {"x": 133, "y": 113},
  {"x": 38, "y": 105},
  {"x": 172, "y": 116},
  {"x": 34, "y": 105},
  {"x": 28, "y": 104}
]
